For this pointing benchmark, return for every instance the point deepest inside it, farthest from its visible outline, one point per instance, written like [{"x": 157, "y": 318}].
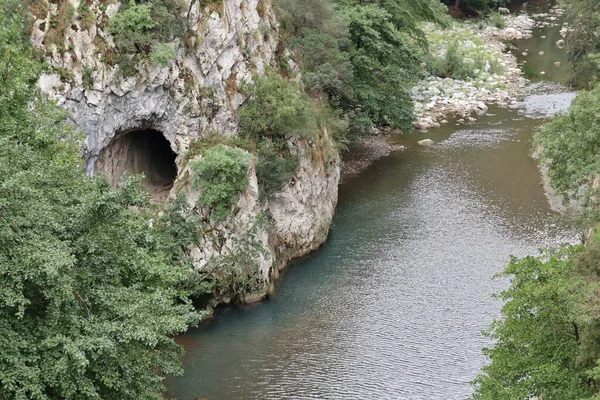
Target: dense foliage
[
  {"x": 273, "y": 170},
  {"x": 90, "y": 293},
  {"x": 144, "y": 30},
  {"x": 583, "y": 43},
  {"x": 221, "y": 174},
  {"x": 363, "y": 56},
  {"x": 277, "y": 110},
  {"x": 547, "y": 337},
  {"x": 570, "y": 144}
]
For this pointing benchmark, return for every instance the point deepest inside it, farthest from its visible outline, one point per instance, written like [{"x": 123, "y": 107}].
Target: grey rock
[{"x": 426, "y": 142}]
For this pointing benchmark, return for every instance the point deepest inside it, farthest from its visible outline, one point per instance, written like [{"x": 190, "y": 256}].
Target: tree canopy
[
  {"x": 362, "y": 55},
  {"x": 90, "y": 293}
]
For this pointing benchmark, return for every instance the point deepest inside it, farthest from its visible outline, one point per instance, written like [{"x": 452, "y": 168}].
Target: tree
[
  {"x": 570, "y": 144},
  {"x": 362, "y": 55},
  {"x": 546, "y": 341},
  {"x": 583, "y": 42},
  {"x": 90, "y": 296},
  {"x": 535, "y": 354}
]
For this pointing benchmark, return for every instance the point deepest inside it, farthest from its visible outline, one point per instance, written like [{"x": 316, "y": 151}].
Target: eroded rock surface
[{"x": 197, "y": 95}]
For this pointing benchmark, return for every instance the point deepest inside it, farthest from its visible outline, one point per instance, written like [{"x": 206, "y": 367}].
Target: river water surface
[{"x": 393, "y": 305}]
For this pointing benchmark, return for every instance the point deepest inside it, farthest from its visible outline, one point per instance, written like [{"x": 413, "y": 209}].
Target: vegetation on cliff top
[{"x": 362, "y": 56}]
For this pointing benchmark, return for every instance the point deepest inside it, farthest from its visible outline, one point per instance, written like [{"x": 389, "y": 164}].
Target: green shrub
[
  {"x": 222, "y": 175},
  {"x": 571, "y": 144},
  {"x": 498, "y": 20},
  {"x": 583, "y": 17},
  {"x": 452, "y": 65},
  {"x": 87, "y": 77},
  {"x": 132, "y": 28},
  {"x": 273, "y": 170},
  {"x": 86, "y": 16},
  {"x": 464, "y": 56},
  {"x": 162, "y": 53},
  {"x": 277, "y": 109},
  {"x": 143, "y": 31}
]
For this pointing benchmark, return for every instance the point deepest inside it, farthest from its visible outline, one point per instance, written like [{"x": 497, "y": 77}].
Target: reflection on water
[{"x": 393, "y": 305}]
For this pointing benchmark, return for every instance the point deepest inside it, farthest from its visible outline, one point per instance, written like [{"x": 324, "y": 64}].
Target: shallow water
[{"x": 393, "y": 305}]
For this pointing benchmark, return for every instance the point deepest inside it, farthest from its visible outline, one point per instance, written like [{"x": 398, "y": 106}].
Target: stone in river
[
  {"x": 541, "y": 53},
  {"x": 481, "y": 108},
  {"x": 426, "y": 142},
  {"x": 557, "y": 63}
]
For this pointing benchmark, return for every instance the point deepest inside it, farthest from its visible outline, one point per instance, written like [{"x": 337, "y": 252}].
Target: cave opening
[{"x": 145, "y": 152}]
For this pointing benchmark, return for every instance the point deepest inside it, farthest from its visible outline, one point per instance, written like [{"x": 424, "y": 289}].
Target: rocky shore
[
  {"x": 439, "y": 98},
  {"x": 359, "y": 156},
  {"x": 500, "y": 81}
]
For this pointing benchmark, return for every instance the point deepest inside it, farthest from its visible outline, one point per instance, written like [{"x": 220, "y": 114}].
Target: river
[{"x": 393, "y": 305}]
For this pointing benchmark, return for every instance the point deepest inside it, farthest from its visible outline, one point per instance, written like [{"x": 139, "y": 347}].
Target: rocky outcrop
[
  {"x": 197, "y": 93},
  {"x": 195, "y": 96}
]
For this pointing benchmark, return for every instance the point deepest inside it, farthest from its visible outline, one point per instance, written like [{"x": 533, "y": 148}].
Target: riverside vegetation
[
  {"x": 95, "y": 280},
  {"x": 547, "y": 339}
]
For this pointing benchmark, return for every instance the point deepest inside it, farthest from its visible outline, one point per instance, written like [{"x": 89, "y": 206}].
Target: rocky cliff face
[{"x": 195, "y": 96}]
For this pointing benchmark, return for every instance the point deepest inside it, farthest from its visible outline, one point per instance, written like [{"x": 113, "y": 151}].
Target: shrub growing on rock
[
  {"x": 277, "y": 109},
  {"x": 222, "y": 174},
  {"x": 273, "y": 170},
  {"x": 142, "y": 31},
  {"x": 571, "y": 143}
]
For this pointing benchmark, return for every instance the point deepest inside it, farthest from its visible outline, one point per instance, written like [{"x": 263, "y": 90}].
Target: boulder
[{"x": 481, "y": 108}]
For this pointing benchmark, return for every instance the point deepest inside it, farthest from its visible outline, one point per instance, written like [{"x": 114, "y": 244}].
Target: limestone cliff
[{"x": 195, "y": 96}]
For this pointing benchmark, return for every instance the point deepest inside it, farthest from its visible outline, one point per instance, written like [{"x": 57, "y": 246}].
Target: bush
[
  {"x": 143, "y": 31},
  {"x": 277, "y": 109},
  {"x": 583, "y": 17},
  {"x": 273, "y": 170},
  {"x": 458, "y": 53},
  {"x": 571, "y": 144},
  {"x": 222, "y": 175},
  {"x": 498, "y": 20}
]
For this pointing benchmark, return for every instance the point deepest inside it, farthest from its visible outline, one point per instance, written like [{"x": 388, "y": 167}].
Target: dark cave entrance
[{"x": 145, "y": 152}]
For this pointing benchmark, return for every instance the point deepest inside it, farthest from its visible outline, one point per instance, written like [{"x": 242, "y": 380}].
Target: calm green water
[{"x": 393, "y": 305}]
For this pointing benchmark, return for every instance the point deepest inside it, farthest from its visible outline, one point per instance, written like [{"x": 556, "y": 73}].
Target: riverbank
[
  {"x": 494, "y": 76},
  {"x": 399, "y": 294},
  {"x": 437, "y": 100}
]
